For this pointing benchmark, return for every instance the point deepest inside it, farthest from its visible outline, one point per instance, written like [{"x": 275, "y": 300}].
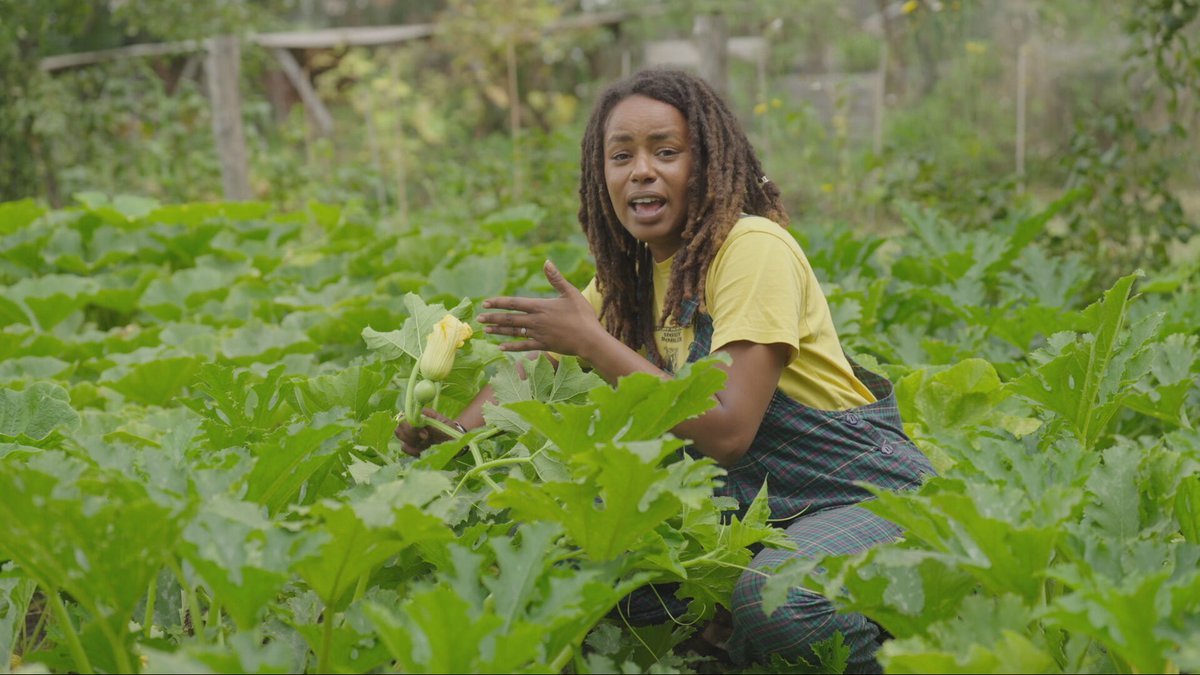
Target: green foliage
[
  {"x": 213, "y": 388},
  {"x": 1068, "y": 459}
]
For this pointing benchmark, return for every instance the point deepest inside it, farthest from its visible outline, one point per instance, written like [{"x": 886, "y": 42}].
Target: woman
[{"x": 692, "y": 257}]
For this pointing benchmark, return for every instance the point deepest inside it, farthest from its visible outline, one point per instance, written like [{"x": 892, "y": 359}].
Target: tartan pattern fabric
[
  {"x": 811, "y": 461},
  {"x": 808, "y": 617}
]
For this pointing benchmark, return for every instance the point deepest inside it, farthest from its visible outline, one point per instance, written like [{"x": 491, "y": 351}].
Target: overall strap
[
  {"x": 818, "y": 459},
  {"x": 703, "y": 329}
]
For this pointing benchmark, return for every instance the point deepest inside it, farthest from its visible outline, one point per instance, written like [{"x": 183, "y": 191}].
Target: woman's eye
[
  {"x": 620, "y": 156},
  {"x": 667, "y": 152}
]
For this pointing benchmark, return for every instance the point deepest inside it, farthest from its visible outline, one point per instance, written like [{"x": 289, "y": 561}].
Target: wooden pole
[
  {"x": 399, "y": 158},
  {"x": 760, "y": 67},
  {"x": 880, "y": 98},
  {"x": 514, "y": 114},
  {"x": 373, "y": 145},
  {"x": 710, "y": 32},
  {"x": 1022, "y": 65},
  {"x": 224, "y": 71}
]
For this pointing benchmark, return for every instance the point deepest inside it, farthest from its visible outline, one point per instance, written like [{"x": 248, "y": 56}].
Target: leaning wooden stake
[
  {"x": 223, "y": 68},
  {"x": 1022, "y": 65},
  {"x": 514, "y": 115}
]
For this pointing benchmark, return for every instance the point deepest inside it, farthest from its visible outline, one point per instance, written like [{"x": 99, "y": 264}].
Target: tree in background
[
  {"x": 1129, "y": 156},
  {"x": 29, "y": 31}
]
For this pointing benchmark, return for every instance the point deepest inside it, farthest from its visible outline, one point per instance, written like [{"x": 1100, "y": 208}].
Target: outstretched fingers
[
  {"x": 557, "y": 280},
  {"x": 524, "y": 346}
]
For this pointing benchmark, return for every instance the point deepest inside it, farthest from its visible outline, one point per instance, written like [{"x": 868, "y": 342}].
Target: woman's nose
[{"x": 643, "y": 169}]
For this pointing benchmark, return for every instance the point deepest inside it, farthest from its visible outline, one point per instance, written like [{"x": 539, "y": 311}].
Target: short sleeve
[
  {"x": 755, "y": 290},
  {"x": 592, "y": 293}
]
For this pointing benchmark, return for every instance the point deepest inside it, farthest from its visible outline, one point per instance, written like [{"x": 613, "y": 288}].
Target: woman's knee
[{"x": 805, "y": 619}]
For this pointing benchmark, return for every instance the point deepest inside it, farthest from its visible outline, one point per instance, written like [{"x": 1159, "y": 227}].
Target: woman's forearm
[{"x": 725, "y": 431}]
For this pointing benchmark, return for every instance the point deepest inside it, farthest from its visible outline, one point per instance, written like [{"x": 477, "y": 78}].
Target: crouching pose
[{"x": 692, "y": 257}]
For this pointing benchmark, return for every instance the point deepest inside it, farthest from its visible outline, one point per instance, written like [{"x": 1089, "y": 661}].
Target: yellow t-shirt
[{"x": 760, "y": 288}]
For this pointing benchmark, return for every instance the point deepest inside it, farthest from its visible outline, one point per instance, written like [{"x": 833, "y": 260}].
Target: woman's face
[{"x": 647, "y": 163}]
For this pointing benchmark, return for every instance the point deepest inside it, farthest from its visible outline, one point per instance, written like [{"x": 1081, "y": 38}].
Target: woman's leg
[{"x": 808, "y": 617}]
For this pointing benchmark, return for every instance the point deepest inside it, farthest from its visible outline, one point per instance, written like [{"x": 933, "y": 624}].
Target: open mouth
[{"x": 647, "y": 207}]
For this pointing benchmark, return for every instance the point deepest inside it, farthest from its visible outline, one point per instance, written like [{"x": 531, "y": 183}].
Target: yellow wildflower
[
  {"x": 760, "y": 109},
  {"x": 910, "y": 6},
  {"x": 826, "y": 187},
  {"x": 776, "y": 103},
  {"x": 974, "y": 47},
  {"x": 438, "y": 358}
]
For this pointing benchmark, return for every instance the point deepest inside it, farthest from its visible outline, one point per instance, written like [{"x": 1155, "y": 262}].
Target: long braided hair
[{"x": 726, "y": 180}]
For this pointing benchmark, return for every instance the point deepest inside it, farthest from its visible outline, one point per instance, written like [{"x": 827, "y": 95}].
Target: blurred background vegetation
[{"x": 979, "y": 108}]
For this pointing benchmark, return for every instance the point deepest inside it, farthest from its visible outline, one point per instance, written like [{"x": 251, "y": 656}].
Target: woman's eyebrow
[{"x": 626, "y": 137}]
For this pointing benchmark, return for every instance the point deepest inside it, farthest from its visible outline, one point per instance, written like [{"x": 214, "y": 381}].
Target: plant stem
[
  {"x": 708, "y": 558},
  {"x": 362, "y": 585},
  {"x": 412, "y": 411},
  {"x": 567, "y": 652},
  {"x": 31, "y": 640},
  {"x": 73, "y": 643},
  {"x": 117, "y": 642},
  {"x": 478, "y": 457},
  {"x": 444, "y": 428},
  {"x": 480, "y": 465},
  {"x": 192, "y": 600},
  {"x": 148, "y": 622},
  {"x": 213, "y": 620},
  {"x": 480, "y": 468},
  {"x": 326, "y": 641}
]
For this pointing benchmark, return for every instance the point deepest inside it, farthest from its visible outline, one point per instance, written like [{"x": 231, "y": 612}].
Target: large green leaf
[
  {"x": 438, "y": 634},
  {"x": 616, "y": 499},
  {"x": 241, "y": 555},
  {"x": 541, "y": 382},
  {"x": 16, "y": 215},
  {"x": 993, "y": 635},
  {"x": 256, "y": 341},
  {"x": 950, "y": 399},
  {"x": 358, "y": 536},
  {"x": 168, "y": 298},
  {"x": 34, "y": 412},
  {"x": 1085, "y": 379},
  {"x": 95, "y": 535},
  {"x": 351, "y": 388},
  {"x": 15, "y": 594},
  {"x": 522, "y": 614},
  {"x": 51, "y": 299},
  {"x": 410, "y": 338},
  {"x": 641, "y": 407},
  {"x": 151, "y": 376},
  {"x": 984, "y": 530},
  {"x": 292, "y": 460},
  {"x": 471, "y": 277},
  {"x": 237, "y": 404}
]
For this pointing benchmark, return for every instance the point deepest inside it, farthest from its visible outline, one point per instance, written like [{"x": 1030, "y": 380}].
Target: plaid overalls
[{"x": 811, "y": 460}]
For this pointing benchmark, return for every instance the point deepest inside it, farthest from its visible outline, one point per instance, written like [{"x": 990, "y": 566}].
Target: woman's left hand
[{"x": 565, "y": 324}]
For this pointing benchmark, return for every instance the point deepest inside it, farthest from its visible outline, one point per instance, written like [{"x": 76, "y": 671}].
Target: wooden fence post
[
  {"x": 223, "y": 67},
  {"x": 711, "y": 35}
]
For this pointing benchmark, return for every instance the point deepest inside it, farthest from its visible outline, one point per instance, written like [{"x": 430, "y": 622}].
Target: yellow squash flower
[{"x": 438, "y": 358}]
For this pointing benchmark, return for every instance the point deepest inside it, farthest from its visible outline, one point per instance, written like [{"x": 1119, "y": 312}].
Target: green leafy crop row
[{"x": 196, "y": 455}]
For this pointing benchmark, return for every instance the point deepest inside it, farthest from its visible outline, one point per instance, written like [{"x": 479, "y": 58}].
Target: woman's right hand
[{"x": 415, "y": 440}]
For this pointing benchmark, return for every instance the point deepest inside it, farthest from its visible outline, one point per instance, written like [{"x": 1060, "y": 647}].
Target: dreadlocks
[{"x": 726, "y": 181}]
